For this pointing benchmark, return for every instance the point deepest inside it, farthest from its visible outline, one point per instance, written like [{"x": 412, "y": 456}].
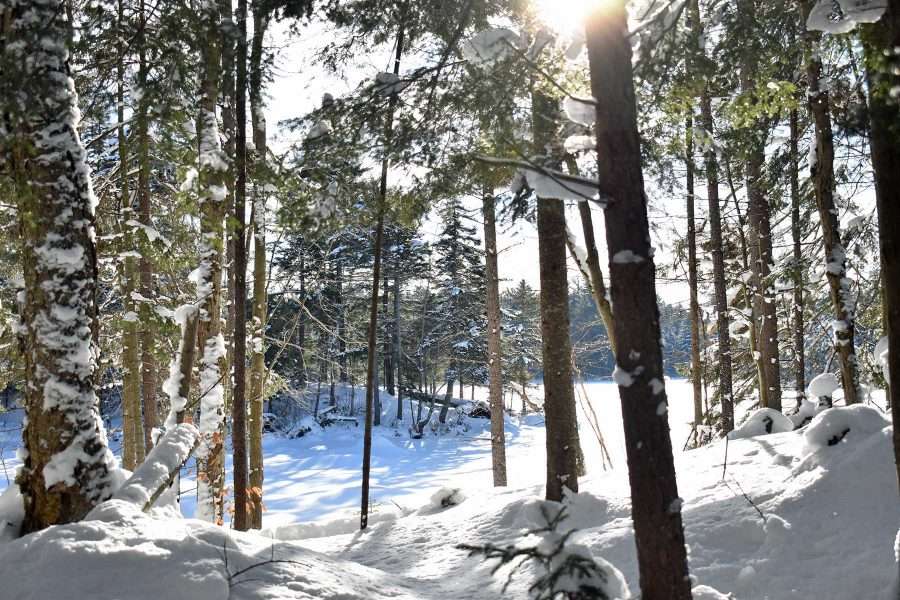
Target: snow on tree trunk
[
  {"x": 66, "y": 464},
  {"x": 207, "y": 278},
  {"x": 822, "y": 174},
  {"x": 495, "y": 365},
  {"x": 559, "y": 395},
  {"x": 656, "y": 507}
]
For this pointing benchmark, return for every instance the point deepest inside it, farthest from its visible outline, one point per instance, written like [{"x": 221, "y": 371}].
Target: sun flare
[{"x": 565, "y": 17}]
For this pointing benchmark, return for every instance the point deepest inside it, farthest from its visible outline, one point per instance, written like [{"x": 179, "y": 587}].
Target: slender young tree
[
  {"x": 559, "y": 394},
  {"x": 696, "y": 374},
  {"x": 132, "y": 439},
  {"x": 145, "y": 263},
  {"x": 822, "y": 175},
  {"x": 759, "y": 217},
  {"x": 66, "y": 467},
  {"x": 260, "y": 191},
  {"x": 239, "y": 404},
  {"x": 655, "y": 505},
  {"x": 495, "y": 363},
  {"x": 720, "y": 293},
  {"x": 797, "y": 255},
  {"x": 371, "y": 367}
]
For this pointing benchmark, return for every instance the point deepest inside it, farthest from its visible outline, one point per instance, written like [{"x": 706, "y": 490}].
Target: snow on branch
[
  {"x": 550, "y": 183},
  {"x": 842, "y": 16},
  {"x": 158, "y": 471}
]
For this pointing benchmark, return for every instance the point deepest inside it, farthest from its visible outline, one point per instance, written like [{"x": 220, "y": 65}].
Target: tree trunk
[
  {"x": 257, "y": 358},
  {"x": 373, "y": 305},
  {"x": 822, "y": 175},
  {"x": 759, "y": 217},
  {"x": 66, "y": 466},
  {"x": 226, "y": 95},
  {"x": 883, "y": 74},
  {"x": 656, "y": 507},
  {"x": 495, "y": 363},
  {"x": 207, "y": 277},
  {"x": 301, "y": 329},
  {"x": 559, "y": 395},
  {"x": 797, "y": 238},
  {"x": 720, "y": 294},
  {"x": 145, "y": 263},
  {"x": 388, "y": 338},
  {"x": 696, "y": 377},
  {"x": 395, "y": 335},
  {"x": 239, "y": 404},
  {"x": 132, "y": 426}
]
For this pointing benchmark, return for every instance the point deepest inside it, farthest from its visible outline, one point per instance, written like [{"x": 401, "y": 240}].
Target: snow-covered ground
[{"x": 792, "y": 518}]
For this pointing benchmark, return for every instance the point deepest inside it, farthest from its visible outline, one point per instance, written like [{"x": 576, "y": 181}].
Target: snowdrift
[{"x": 794, "y": 517}]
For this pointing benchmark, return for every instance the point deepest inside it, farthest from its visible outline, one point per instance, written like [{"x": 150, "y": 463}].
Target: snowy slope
[{"x": 829, "y": 516}]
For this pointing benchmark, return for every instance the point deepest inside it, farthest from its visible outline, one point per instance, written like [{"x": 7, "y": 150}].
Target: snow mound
[
  {"x": 12, "y": 513},
  {"x": 823, "y": 385},
  {"x": 704, "y": 592},
  {"x": 445, "y": 498},
  {"x": 127, "y": 554},
  {"x": 834, "y": 425},
  {"x": 762, "y": 422},
  {"x": 807, "y": 410}
]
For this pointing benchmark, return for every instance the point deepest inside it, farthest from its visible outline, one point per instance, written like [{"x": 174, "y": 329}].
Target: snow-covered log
[{"x": 156, "y": 474}]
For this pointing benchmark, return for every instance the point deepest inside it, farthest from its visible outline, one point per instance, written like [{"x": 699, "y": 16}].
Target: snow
[
  {"x": 167, "y": 455},
  {"x": 624, "y": 257},
  {"x": 881, "y": 356},
  {"x": 490, "y": 46},
  {"x": 824, "y": 384},
  {"x": 823, "y": 16},
  {"x": 387, "y": 84},
  {"x": 551, "y": 184},
  {"x": 761, "y": 422},
  {"x": 581, "y": 111},
  {"x": 827, "y": 527},
  {"x": 579, "y": 143},
  {"x": 320, "y": 129},
  {"x": 835, "y": 425},
  {"x": 622, "y": 377}
]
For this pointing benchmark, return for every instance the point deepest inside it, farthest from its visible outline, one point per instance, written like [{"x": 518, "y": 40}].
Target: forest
[{"x": 449, "y": 299}]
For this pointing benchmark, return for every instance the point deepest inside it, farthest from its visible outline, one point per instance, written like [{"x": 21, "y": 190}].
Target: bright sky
[{"x": 298, "y": 85}]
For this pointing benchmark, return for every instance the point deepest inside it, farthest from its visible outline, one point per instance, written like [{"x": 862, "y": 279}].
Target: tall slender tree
[
  {"x": 655, "y": 505},
  {"x": 822, "y": 175},
  {"x": 559, "y": 394},
  {"x": 495, "y": 363},
  {"x": 711, "y": 167},
  {"x": 759, "y": 213},
  {"x": 239, "y": 405}
]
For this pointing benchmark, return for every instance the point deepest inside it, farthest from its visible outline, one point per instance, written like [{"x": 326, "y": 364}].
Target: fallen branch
[{"x": 158, "y": 471}]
